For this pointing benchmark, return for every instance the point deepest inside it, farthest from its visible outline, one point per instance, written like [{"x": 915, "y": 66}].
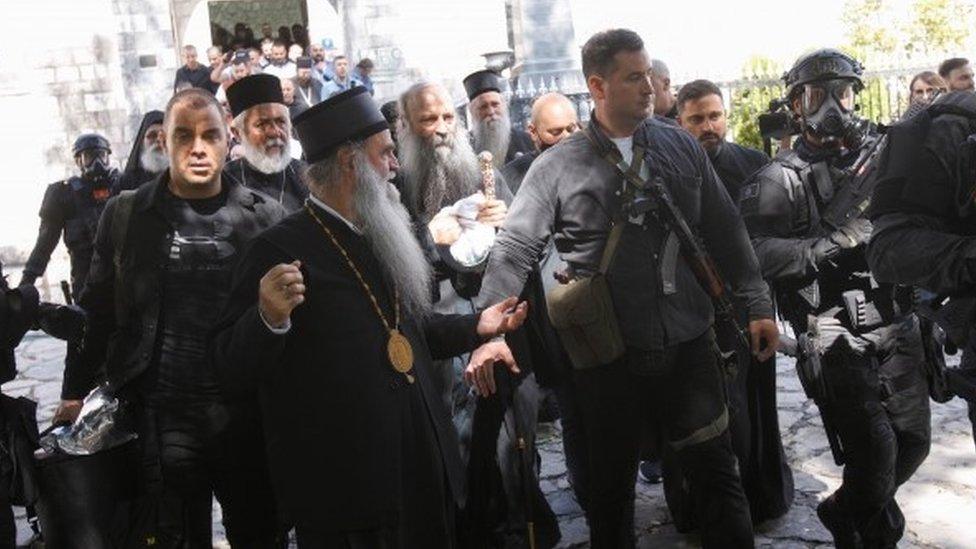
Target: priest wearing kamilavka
[{"x": 330, "y": 319}]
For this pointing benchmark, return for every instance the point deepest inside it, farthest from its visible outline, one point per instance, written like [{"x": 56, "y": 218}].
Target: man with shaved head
[
  {"x": 160, "y": 273},
  {"x": 553, "y": 119},
  {"x": 665, "y": 104}
]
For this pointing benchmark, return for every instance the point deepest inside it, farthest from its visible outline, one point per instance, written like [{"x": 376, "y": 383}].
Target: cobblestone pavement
[{"x": 939, "y": 502}]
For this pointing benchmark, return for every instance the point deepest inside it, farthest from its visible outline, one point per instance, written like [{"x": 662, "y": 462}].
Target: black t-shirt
[{"x": 200, "y": 253}]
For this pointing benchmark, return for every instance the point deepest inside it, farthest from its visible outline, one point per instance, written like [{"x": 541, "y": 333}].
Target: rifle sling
[{"x": 617, "y": 161}]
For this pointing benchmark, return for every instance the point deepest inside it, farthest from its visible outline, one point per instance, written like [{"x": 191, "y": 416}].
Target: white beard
[
  {"x": 268, "y": 163},
  {"x": 153, "y": 159},
  {"x": 438, "y": 171},
  {"x": 493, "y": 136},
  {"x": 386, "y": 225}
]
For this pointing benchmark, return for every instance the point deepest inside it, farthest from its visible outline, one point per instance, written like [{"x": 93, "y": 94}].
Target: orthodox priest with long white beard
[
  {"x": 263, "y": 124},
  {"x": 443, "y": 184},
  {"x": 491, "y": 126},
  {"x": 330, "y": 320}
]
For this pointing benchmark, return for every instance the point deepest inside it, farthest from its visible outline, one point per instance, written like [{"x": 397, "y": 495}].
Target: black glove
[
  {"x": 65, "y": 322},
  {"x": 824, "y": 249},
  {"x": 855, "y": 232}
]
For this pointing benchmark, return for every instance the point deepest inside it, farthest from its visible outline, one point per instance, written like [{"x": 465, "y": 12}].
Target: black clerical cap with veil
[
  {"x": 254, "y": 90},
  {"x": 349, "y": 116},
  {"x": 480, "y": 82}
]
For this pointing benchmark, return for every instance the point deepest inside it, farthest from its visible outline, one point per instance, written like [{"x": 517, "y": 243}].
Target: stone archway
[{"x": 191, "y": 21}]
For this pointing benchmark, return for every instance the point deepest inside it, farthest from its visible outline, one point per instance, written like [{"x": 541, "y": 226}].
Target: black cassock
[
  {"x": 753, "y": 416},
  {"x": 285, "y": 187},
  {"x": 358, "y": 454}
]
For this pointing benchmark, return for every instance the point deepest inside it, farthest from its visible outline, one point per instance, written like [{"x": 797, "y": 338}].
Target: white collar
[{"x": 334, "y": 213}]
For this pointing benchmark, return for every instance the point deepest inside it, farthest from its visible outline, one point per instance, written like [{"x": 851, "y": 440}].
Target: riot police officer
[
  {"x": 72, "y": 207},
  {"x": 863, "y": 359},
  {"x": 924, "y": 216}
]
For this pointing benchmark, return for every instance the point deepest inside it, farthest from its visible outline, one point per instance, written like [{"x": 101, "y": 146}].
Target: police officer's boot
[{"x": 832, "y": 516}]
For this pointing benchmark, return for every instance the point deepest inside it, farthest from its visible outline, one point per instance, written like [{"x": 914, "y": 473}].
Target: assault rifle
[
  {"x": 666, "y": 211},
  {"x": 854, "y": 193},
  {"x": 658, "y": 202}
]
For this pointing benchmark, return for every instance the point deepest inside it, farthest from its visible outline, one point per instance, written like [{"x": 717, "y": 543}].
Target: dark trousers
[
  {"x": 197, "y": 451},
  {"x": 574, "y": 438},
  {"x": 880, "y": 411},
  {"x": 687, "y": 396},
  {"x": 8, "y": 530}
]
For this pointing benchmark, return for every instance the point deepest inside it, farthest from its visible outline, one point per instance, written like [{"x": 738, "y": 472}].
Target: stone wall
[{"x": 67, "y": 67}]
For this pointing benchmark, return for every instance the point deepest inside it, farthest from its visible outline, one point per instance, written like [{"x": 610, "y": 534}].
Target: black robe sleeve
[
  {"x": 243, "y": 347},
  {"x": 451, "y": 335}
]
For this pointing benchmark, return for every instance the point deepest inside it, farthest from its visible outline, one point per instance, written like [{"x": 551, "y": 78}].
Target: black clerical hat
[
  {"x": 254, "y": 90},
  {"x": 480, "y": 82},
  {"x": 303, "y": 62},
  {"x": 349, "y": 116}
]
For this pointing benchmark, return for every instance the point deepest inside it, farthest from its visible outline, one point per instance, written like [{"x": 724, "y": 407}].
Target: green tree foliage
[
  {"x": 752, "y": 98},
  {"x": 938, "y": 26}
]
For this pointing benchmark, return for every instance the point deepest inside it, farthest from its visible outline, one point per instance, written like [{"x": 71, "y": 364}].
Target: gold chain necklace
[{"x": 398, "y": 348}]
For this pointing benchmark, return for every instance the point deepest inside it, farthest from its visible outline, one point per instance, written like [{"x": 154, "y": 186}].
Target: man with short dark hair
[
  {"x": 491, "y": 127},
  {"x": 295, "y": 108},
  {"x": 342, "y": 80},
  {"x": 573, "y": 196},
  {"x": 363, "y": 73},
  {"x": 754, "y": 424},
  {"x": 279, "y": 64},
  {"x": 957, "y": 73},
  {"x": 197, "y": 75},
  {"x": 263, "y": 124},
  {"x": 664, "y": 102},
  {"x": 160, "y": 274}
]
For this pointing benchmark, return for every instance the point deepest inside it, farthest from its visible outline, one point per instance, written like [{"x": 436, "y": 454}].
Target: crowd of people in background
[{"x": 312, "y": 72}]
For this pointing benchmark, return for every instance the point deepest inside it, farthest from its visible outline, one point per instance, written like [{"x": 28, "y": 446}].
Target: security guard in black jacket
[
  {"x": 862, "y": 358},
  {"x": 924, "y": 215},
  {"x": 72, "y": 207}
]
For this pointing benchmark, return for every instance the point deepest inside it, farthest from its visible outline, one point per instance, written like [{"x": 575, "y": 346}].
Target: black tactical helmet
[
  {"x": 87, "y": 141},
  {"x": 824, "y": 64}
]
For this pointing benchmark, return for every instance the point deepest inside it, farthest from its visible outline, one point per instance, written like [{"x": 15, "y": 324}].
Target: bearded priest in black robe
[
  {"x": 491, "y": 125},
  {"x": 263, "y": 124},
  {"x": 330, "y": 318}
]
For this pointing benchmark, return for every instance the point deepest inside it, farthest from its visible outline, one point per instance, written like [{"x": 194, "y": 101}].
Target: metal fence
[{"x": 884, "y": 98}]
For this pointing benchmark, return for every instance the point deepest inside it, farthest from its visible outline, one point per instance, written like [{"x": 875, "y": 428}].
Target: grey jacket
[{"x": 571, "y": 194}]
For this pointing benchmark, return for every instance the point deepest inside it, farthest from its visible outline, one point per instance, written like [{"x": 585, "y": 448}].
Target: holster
[{"x": 809, "y": 369}]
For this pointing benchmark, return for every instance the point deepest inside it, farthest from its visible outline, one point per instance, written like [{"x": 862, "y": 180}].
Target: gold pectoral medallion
[{"x": 401, "y": 353}]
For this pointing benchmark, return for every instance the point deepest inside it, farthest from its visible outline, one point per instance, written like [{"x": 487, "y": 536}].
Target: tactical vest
[{"x": 905, "y": 187}]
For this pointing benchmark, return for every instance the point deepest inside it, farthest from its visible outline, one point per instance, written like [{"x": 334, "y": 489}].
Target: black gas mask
[
  {"x": 91, "y": 151},
  {"x": 94, "y": 166},
  {"x": 825, "y": 83},
  {"x": 827, "y": 112}
]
